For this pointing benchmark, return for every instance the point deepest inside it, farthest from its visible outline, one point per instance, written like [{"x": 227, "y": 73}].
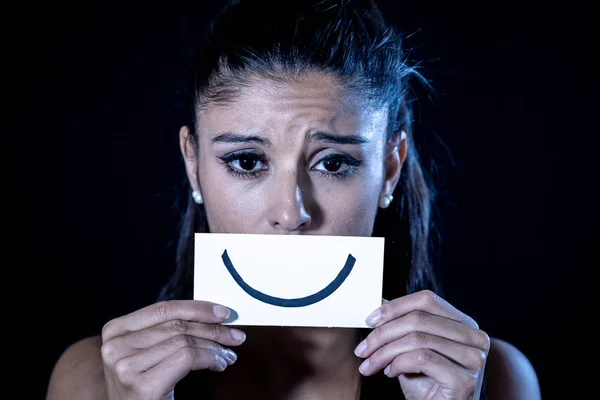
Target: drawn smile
[{"x": 298, "y": 302}]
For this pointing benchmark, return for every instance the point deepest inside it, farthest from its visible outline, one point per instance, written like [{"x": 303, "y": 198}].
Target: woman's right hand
[{"x": 147, "y": 352}]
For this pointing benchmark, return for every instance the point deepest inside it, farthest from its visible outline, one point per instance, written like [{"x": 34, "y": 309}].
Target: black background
[{"x": 95, "y": 92}]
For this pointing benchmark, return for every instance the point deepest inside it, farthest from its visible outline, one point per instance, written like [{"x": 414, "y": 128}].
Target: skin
[{"x": 299, "y": 184}]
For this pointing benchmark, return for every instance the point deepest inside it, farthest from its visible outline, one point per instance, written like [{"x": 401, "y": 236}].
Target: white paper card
[{"x": 290, "y": 280}]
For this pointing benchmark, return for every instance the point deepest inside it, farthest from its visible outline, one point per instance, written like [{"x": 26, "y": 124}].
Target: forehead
[{"x": 311, "y": 101}]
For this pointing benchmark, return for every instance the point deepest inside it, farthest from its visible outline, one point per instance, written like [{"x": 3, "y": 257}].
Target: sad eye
[
  {"x": 331, "y": 165},
  {"x": 246, "y": 164},
  {"x": 338, "y": 165}
]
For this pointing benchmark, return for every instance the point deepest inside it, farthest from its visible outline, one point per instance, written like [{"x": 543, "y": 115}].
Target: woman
[{"x": 300, "y": 124}]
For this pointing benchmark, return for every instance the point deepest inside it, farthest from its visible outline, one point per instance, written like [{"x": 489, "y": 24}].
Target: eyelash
[
  {"x": 351, "y": 162},
  {"x": 229, "y": 158},
  {"x": 226, "y": 161}
]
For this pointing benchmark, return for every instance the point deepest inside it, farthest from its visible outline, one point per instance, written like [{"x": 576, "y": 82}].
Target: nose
[{"x": 287, "y": 212}]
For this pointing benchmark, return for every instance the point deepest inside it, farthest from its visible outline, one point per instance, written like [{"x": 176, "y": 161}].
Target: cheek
[
  {"x": 230, "y": 206},
  {"x": 231, "y": 212},
  {"x": 353, "y": 218},
  {"x": 350, "y": 209}
]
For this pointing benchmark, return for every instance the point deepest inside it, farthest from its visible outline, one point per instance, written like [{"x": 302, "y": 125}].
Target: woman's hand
[
  {"x": 147, "y": 352},
  {"x": 435, "y": 351}
]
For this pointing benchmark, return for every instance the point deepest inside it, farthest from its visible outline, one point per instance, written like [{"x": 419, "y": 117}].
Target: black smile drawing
[{"x": 299, "y": 302}]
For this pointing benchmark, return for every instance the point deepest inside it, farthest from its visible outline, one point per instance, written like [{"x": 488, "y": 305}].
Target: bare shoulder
[
  {"x": 509, "y": 373},
  {"x": 79, "y": 373}
]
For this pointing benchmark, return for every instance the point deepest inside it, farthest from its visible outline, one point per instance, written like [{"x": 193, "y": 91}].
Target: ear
[
  {"x": 395, "y": 151},
  {"x": 189, "y": 152}
]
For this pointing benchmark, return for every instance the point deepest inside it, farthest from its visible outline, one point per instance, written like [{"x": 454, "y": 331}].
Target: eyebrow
[
  {"x": 229, "y": 137},
  {"x": 338, "y": 139}
]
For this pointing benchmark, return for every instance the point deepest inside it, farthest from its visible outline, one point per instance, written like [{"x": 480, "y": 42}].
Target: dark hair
[{"x": 346, "y": 39}]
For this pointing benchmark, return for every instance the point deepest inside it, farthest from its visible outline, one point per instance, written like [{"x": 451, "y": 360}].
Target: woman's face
[{"x": 304, "y": 157}]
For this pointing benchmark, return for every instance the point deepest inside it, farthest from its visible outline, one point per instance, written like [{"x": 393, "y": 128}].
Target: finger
[
  {"x": 155, "y": 334},
  {"x": 163, "y": 377},
  {"x": 445, "y": 372},
  {"x": 148, "y": 358},
  {"x": 424, "y": 300},
  {"x": 420, "y": 321},
  {"x": 123, "y": 346},
  {"x": 158, "y": 313},
  {"x": 468, "y": 357}
]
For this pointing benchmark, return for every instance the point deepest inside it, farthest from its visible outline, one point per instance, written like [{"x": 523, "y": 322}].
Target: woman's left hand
[{"x": 435, "y": 351}]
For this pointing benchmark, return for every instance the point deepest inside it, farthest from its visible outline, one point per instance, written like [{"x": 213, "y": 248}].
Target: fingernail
[
  {"x": 231, "y": 356},
  {"x": 386, "y": 370},
  {"x": 360, "y": 349},
  {"x": 364, "y": 366},
  {"x": 222, "y": 363},
  {"x": 374, "y": 318},
  {"x": 237, "y": 335},
  {"x": 221, "y": 312}
]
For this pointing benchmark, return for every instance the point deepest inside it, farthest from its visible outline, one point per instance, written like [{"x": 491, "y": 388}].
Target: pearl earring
[
  {"x": 385, "y": 201},
  {"x": 197, "y": 197}
]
